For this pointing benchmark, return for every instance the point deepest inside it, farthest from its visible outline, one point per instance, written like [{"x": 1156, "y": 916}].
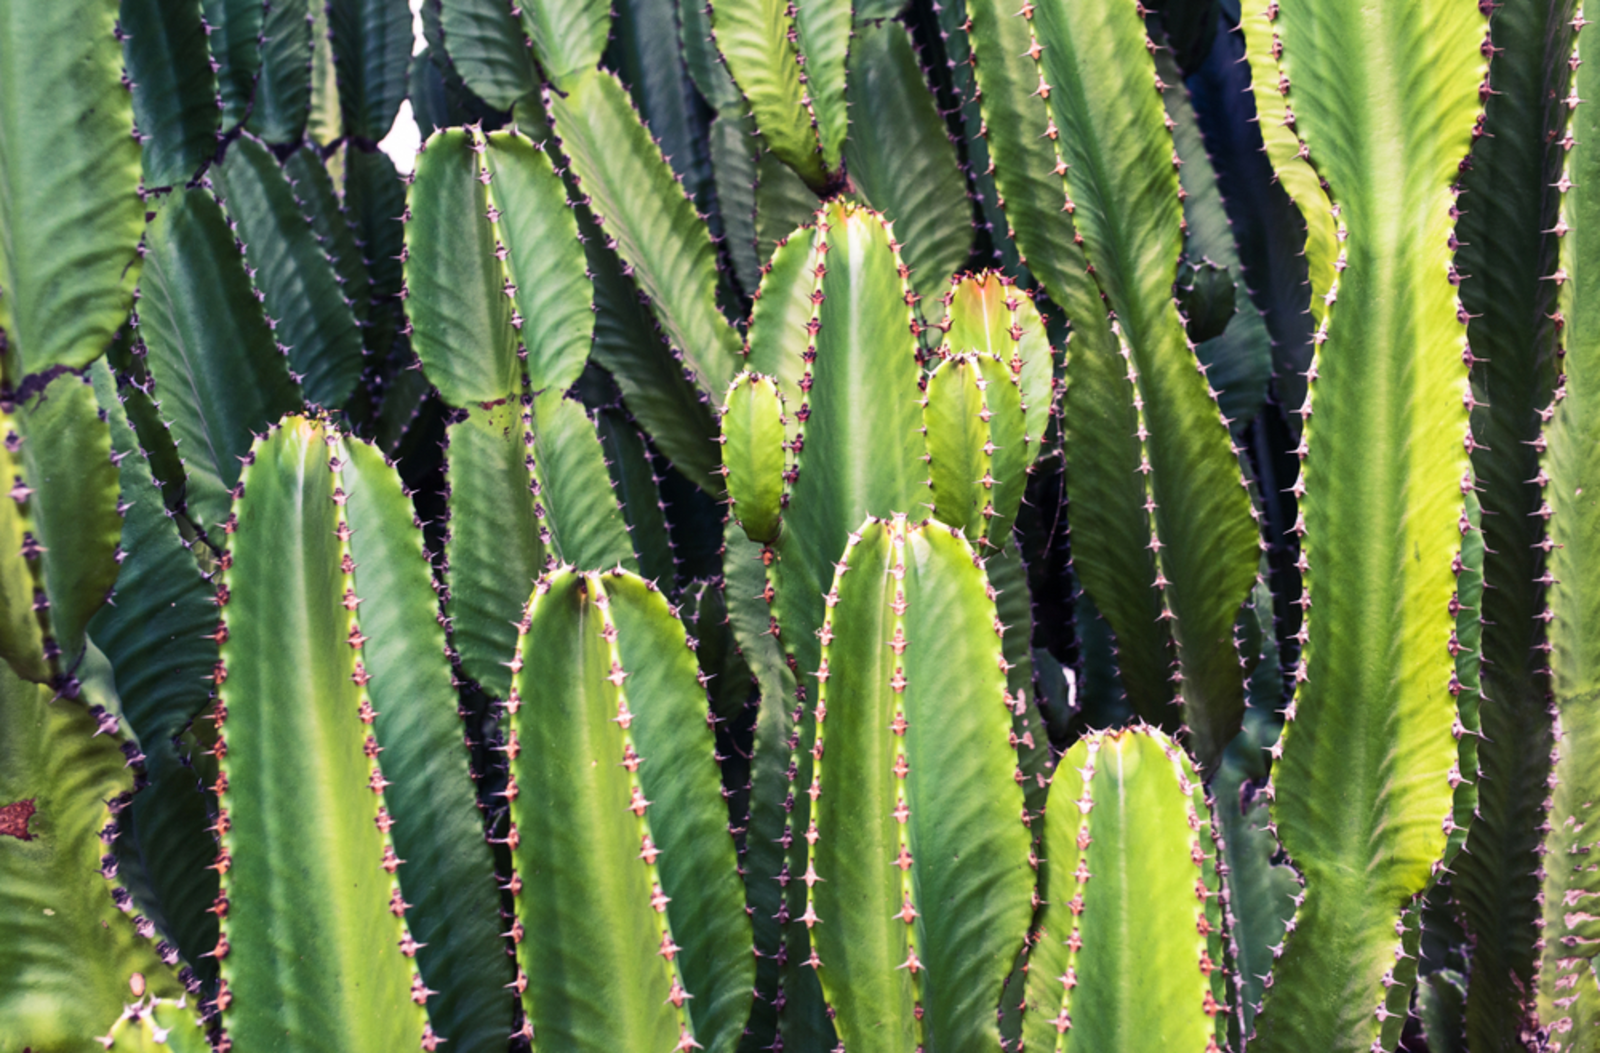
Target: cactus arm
[
  {"x": 1362, "y": 791},
  {"x": 1012, "y": 456},
  {"x": 567, "y": 36},
  {"x": 990, "y": 315},
  {"x": 158, "y": 636},
  {"x": 783, "y": 203},
  {"x": 647, "y": 55},
  {"x": 307, "y": 862},
  {"x": 70, "y": 217},
  {"x": 235, "y": 46},
  {"x": 64, "y": 495},
  {"x": 1508, "y": 249},
  {"x": 455, "y": 289},
  {"x": 636, "y": 200},
  {"x": 217, "y": 375},
  {"x": 592, "y": 927},
  {"x": 913, "y": 773},
  {"x": 174, "y": 90},
  {"x": 697, "y": 866},
  {"x": 957, "y": 420},
  {"x": 283, "y": 89},
  {"x": 754, "y": 39},
  {"x": 372, "y": 50},
  {"x": 70, "y": 956},
  {"x": 375, "y": 198},
  {"x": 753, "y": 454},
  {"x": 901, "y": 158},
  {"x": 587, "y": 527},
  {"x": 545, "y": 261},
  {"x": 313, "y": 189},
  {"x": 489, "y": 49},
  {"x": 781, "y": 310},
  {"x": 633, "y": 476},
  {"x": 298, "y": 283},
  {"x": 1124, "y": 189},
  {"x": 734, "y": 153},
  {"x": 1123, "y": 960},
  {"x": 449, "y": 873},
  {"x": 498, "y": 542},
  {"x": 1103, "y": 452},
  {"x": 1567, "y": 993},
  {"x": 628, "y": 343},
  {"x": 324, "y": 117},
  {"x": 823, "y": 33}
]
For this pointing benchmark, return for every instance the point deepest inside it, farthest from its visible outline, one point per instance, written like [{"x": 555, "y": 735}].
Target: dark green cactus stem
[
  {"x": 306, "y": 854},
  {"x": 71, "y": 216},
  {"x": 637, "y": 939},
  {"x": 282, "y": 103},
  {"x": 918, "y": 884},
  {"x": 371, "y": 48},
  {"x": 1567, "y": 997},
  {"x": 1127, "y": 949},
  {"x": 175, "y": 105},
  {"x": 1363, "y": 789}
]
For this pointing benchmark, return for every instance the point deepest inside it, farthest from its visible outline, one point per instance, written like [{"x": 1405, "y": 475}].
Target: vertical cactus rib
[
  {"x": 1509, "y": 251},
  {"x": 217, "y": 373},
  {"x": 1362, "y": 790},
  {"x": 901, "y": 158},
  {"x": 310, "y": 314},
  {"x": 735, "y": 151},
  {"x": 638, "y": 487},
  {"x": 325, "y": 115},
  {"x": 757, "y": 41},
  {"x": 703, "y": 61},
  {"x": 1123, "y": 192},
  {"x": 234, "y": 42},
  {"x": 823, "y": 34},
  {"x": 784, "y": 307},
  {"x": 655, "y": 228},
  {"x": 989, "y": 314},
  {"x": 282, "y": 102},
  {"x": 754, "y": 441},
  {"x": 567, "y": 35},
  {"x": 449, "y": 876},
  {"x": 600, "y": 967},
  {"x": 372, "y": 50},
  {"x": 309, "y": 896},
  {"x": 543, "y": 259},
  {"x": 335, "y": 231},
  {"x": 70, "y": 217},
  {"x": 1129, "y": 934},
  {"x": 1567, "y": 994},
  {"x": 957, "y": 419},
  {"x": 586, "y": 526},
  {"x": 62, "y": 522},
  {"x": 919, "y": 883},
  {"x": 489, "y": 49},
  {"x": 72, "y": 963},
  {"x": 174, "y": 89},
  {"x": 460, "y": 303}
]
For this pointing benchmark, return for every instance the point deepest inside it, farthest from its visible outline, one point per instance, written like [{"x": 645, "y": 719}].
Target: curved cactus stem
[
  {"x": 489, "y": 49},
  {"x": 638, "y": 489},
  {"x": 783, "y": 203},
  {"x": 753, "y": 454},
  {"x": 235, "y": 46},
  {"x": 1567, "y": 994},
  {"x": 1128, "y": 938},
  {"x": 918, "y": 884},
  {"x": 307, "y": 859},
  {"x": 314, "y": 190},
  {"x": 174, "y": 89},
  {"x": 71, "y": 216},
  {"x": 61, "y": 524},
  {"x": 299, "y": 286},
  {"x": 460, "y": 308},
  {"x": 702, "y": 59},
  {"x": 735, "y": 151},
  {"x": 567, "y": 36},
  {"x": 586, "y": 526},
  {"x": 371, "y": 49},
  {"x": 1509, "y": 248},
  {"x": 1363, "y": 790},
  {"x": 900, "y": 157},
  {"x": 783, "y": 307},
  {"x": 72, "y": 963},
  {"x": 956, "y": 417},
  {"x": 544, "y": 261},
  {"x": 218, "y": 377},
  {"x": 657, "y": 231},
  {"x": 989, "y": 314},
  {"x": 584, "y": 696},
  {"x": 282, "y": 102},
  {"x": 757, "y": 42}
]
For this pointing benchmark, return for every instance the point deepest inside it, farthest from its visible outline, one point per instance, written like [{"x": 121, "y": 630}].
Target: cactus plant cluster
[{"x": 871, "y": 525}]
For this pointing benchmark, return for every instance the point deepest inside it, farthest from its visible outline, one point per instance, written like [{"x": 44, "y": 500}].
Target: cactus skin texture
[
  {"x": 757, "y": 442},
  {"x": 1127, "y": 955},
  {"x": 1567, "y": 992},
  {"x": 918, "y": 887},
  {"x": 631, "y": 931},
  {"x": 1362, "y": 790},
  {"x": 306, "y": 854},
  {"x": 69, "y": 218}
]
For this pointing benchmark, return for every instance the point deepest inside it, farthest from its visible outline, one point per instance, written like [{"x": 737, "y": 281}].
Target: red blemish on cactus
[{"x": 14, "y": 819}]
